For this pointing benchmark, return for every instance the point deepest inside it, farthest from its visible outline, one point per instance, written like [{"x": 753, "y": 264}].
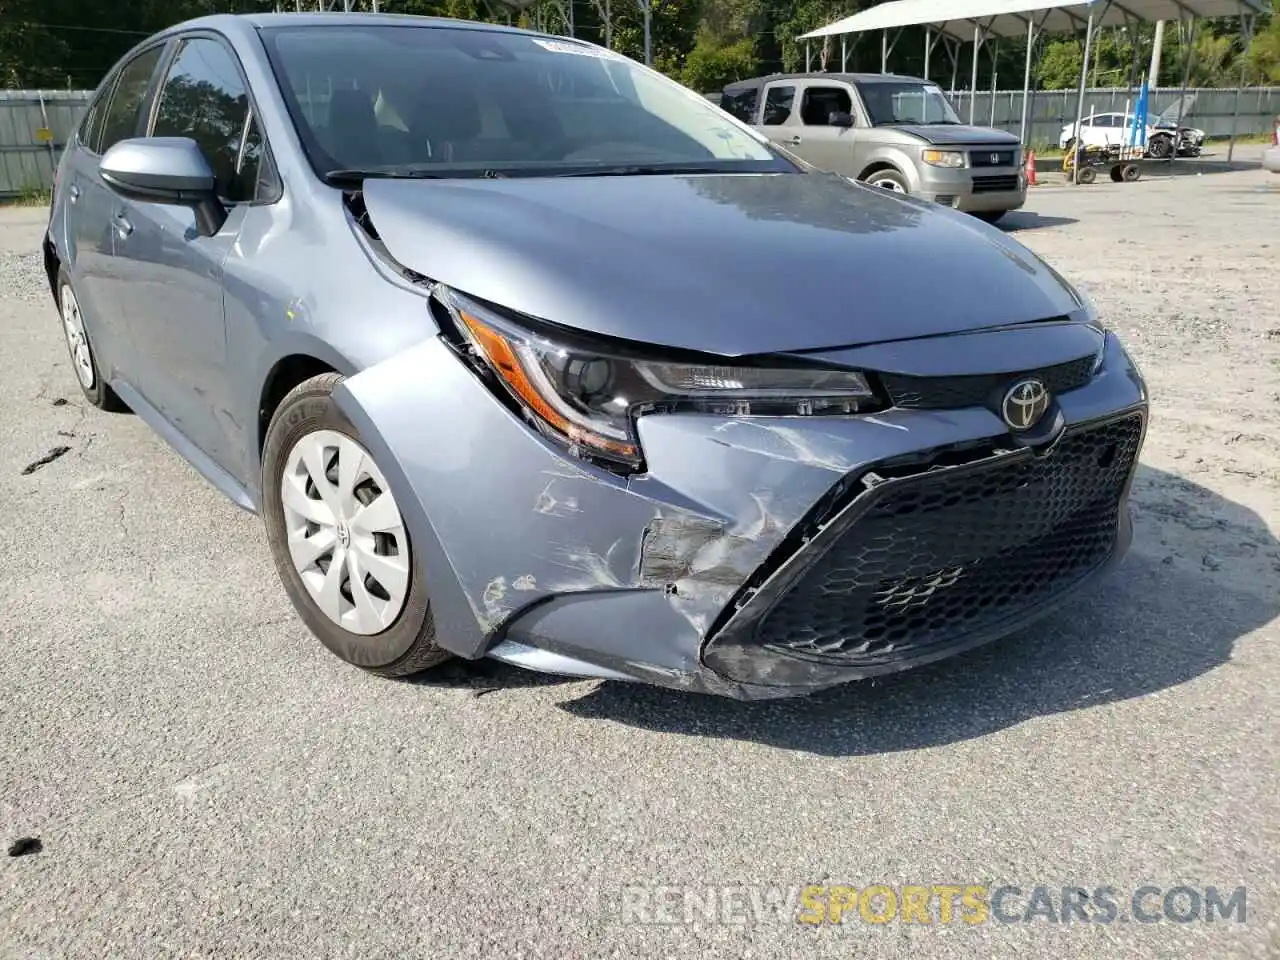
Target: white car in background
[
  {"x": 1271, "y": 155},
  {"x": 1114, "y": 129}
]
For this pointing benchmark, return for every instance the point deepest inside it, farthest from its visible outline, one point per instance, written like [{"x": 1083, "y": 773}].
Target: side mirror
[
  {"x": 169, "y": 170},
  {"x": 840, "y": 118}
]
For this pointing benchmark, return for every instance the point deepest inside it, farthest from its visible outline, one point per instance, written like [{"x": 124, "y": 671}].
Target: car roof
[
  {"x": 865, "y": 78},
  {"x": 236, "y": 22}
]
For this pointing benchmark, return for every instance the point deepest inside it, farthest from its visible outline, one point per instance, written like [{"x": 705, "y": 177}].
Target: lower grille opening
[
  {"x": 996, "y": 184},
  {"x": 941, "y": 556}
]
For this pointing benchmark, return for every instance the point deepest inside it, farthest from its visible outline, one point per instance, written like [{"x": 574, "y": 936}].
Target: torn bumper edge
[{"x": 539, "y": 559}]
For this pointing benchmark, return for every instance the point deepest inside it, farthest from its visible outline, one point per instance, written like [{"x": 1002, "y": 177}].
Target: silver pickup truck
[{"x": 897, "y": 132}]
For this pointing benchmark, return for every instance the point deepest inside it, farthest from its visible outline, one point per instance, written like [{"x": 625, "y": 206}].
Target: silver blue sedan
[{"x": 521, "y": 350}]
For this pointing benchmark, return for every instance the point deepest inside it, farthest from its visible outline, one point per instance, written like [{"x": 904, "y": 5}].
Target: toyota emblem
[{"x": 1024, "y": 404}]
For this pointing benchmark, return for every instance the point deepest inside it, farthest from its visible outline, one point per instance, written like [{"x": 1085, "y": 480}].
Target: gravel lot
[{"x": 206, "y": 780}]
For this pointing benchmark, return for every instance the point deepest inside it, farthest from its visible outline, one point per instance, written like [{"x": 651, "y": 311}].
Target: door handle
[
  {"x": 73, "y": 193},
  {"x": 122, "y": 225}
]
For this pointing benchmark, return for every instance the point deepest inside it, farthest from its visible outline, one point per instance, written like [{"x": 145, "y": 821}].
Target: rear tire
[
  {"x": 320, "y": 486},
  {"x": 84, "y": 363},
  {"x": 1131, "y": 172},
  {"x": 1087, "y": 174},
  {"x": 890, "y": 180}
]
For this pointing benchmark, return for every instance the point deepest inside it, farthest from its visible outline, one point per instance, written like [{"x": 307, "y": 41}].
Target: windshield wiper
[
  {"x": 355, "y": 176},
  {"x": 638, "y": 170}
]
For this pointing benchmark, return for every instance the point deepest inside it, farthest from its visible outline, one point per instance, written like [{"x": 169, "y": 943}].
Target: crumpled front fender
[{"x": 504, "y": 520}]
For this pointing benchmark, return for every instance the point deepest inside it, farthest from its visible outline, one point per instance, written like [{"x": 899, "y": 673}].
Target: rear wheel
[
  {"x": 338, "y": 538},
  {"x": 83, "y": 363},
  {"x": 1087, "y": 174},
  {"x": 890, "y": 180},
  {"x": 1131, "y": 172}
]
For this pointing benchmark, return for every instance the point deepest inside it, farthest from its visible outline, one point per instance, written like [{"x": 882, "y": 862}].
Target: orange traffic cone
[{"x": 1031, "y": 168}]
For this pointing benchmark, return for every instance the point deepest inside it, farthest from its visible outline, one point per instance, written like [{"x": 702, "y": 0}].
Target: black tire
[
  {"x": 888, "y": 180},
  {"x": 1131, "y": 172},
  {"x": 1087, "y": 174},
  {"x": 1117, "y": 174},
  {"x": 99, "y": 394},
  {"x": 989, "y": 216},
  {"x": 1161, "y": 148},
  {"x": 407, "y": 646}
]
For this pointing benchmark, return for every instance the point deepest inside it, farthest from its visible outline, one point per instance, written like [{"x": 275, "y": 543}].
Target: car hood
[
  {"x": 726, "y": 264},
  {"x": 947, "y": 133}
]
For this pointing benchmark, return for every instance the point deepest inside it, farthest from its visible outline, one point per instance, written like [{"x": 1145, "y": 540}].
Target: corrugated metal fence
[{"x": 35, "y": 124}]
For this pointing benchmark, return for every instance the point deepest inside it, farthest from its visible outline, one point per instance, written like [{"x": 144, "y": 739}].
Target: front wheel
[
  {"x": 338, "y": 538},
  {"x": 890, "y": 180},
  {"x": 990, "y": 216},
  {"x": 1161, "y": 148}
]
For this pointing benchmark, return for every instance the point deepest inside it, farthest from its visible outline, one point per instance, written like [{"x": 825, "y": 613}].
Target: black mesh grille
[
  {"x": 940, "y": 393},
  {"x": 941, "y": 556},
  {"x": 997, "y": 184}
]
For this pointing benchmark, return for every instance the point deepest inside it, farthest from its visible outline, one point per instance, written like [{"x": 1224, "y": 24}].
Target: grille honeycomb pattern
[
  {"x": 943, "y": 393},
  {"x": 942, "y": 556}
]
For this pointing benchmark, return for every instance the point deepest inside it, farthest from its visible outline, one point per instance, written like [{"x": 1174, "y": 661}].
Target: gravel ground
[{"x": 205, "y": 780}]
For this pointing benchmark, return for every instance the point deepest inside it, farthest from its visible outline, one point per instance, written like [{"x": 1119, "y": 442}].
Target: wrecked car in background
[{"x": 521, "y": 350}]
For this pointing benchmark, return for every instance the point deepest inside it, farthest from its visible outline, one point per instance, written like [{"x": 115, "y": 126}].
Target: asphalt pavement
[{"x": 204, "y": 779}]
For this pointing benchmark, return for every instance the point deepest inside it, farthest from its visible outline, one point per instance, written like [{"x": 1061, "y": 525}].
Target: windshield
[
  {"x": 889, "y": 103},
  {"x": 452, "y": 102}
]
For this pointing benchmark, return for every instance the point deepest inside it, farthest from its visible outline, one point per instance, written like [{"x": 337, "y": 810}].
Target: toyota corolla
[{"x": 521, "y": 350}]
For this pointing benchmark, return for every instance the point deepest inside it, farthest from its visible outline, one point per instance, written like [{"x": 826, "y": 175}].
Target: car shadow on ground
[
  {"x": 1169, "y": 614},
  {"x": 1017, "y": 220}
]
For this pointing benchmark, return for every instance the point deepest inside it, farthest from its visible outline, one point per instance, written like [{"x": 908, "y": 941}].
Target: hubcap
[
  {"x": 77, "y": 343},
  {"x": 345, "y": 532},
  {"x": 891, "y": 185}
]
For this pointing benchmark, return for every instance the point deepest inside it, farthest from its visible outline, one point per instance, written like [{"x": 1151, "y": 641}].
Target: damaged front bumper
[{"x": 755, "y": 557}]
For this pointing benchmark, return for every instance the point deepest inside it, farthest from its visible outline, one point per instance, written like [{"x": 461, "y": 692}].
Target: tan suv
[{"x": 896, "y": 132}]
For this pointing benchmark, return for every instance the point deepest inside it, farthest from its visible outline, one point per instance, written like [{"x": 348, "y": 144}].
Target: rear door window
[
  {"x": 129, "y": 98},
  {"x": 91, "y": 124},
  {"x": 777, "y": 104}
]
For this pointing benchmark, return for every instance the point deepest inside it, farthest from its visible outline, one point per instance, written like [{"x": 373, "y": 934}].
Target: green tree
[
  {"x": 1264, "y": 53},
  {"x": 711, "y": 63}
]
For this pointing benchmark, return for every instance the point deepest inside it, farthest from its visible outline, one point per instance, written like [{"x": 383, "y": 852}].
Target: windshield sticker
[{"x": 579, "y": 49}]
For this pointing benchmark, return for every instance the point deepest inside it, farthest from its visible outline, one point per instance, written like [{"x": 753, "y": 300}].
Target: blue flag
[{"x": 1139, "y": 123}]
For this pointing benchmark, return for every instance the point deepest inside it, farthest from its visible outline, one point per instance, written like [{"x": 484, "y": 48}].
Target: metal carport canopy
[{"x": 1010, "y": 18}]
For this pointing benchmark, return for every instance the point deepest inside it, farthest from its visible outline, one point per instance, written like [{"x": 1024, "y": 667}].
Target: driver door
[{"x": 174, "y": 292}]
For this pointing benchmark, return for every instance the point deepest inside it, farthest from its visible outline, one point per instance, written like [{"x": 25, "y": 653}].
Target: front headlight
[
  {"x": 589, "y": 396},
  {"x": 943, "y": 158}
]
